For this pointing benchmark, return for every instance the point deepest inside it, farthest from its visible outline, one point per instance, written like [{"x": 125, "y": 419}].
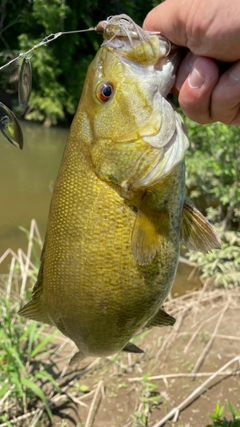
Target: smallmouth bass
[{"x": 118, "y": 211}]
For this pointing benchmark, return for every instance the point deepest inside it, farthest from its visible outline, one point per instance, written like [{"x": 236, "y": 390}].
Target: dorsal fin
[
  {"x": 196, "y": 232},
  {"x": 149, "y": 231}
]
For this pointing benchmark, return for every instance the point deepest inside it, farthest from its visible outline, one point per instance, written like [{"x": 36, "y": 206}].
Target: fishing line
[
  {"x": 9, "y": 124},
  {"x": 45, "y": 41},
  {"x": 114, "y": 27}
]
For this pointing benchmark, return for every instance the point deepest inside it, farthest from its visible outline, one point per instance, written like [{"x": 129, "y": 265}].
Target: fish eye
[{"x": 105, "y": 91}]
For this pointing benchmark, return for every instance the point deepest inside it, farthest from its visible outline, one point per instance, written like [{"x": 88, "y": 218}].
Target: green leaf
[
  {"x": 5, "y": 420},
  {"x": 232, "y": 409},
  {"x": 38, "y": 392},
  {"x": 14, "y": 355},
  {"x": 44, "y": 375},
  {"x": 221, "y": 411},
  {"x": 43, "y": 343}
]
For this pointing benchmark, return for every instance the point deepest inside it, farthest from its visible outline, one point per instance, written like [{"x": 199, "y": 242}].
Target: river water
[{"x": 26, "y": 182}]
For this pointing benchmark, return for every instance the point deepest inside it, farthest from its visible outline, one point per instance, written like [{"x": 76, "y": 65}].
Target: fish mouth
[
  {"x": 143, "y": 48},
  {"x": 122, "y": 33}
]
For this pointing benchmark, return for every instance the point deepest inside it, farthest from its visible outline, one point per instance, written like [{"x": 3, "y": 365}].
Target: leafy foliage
[
  {"x": 21, "y": 377},
  {"x": 223, "y": 422},
  {"x": 27, "y": 367},
  {"x": 149, "y": 398},
  {"x": 222, "y": 265},
  {"x": 213, "y": 170}
]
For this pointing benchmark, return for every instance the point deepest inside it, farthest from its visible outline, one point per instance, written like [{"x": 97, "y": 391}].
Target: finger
[
  {"x": 167, "y": 18},
  {"x": 196, "y": 89},
  {"x": 201, "y": 26},
  {"x": 225, "y": 105},
  {"x": 183, "y": 72}
]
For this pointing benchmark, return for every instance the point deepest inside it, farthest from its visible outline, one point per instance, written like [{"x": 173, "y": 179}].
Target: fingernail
[
  {"x": 184, "y": 70},
  {"x": 235, "y": 72},
  {"x": 195, "y": 79}
]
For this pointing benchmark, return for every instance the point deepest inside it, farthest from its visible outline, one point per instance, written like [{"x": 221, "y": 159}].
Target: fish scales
[
  {"x": 102, "y": 289},
  {"x": 118, "y": 210}
]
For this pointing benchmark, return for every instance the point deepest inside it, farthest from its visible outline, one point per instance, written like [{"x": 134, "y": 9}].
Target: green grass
[{"x": 26, "y": 366}]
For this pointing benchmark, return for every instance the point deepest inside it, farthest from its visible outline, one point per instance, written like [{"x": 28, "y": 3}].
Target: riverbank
[{"x": 184, "y": 371}]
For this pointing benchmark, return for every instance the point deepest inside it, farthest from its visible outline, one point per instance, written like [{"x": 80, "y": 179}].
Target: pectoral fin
[
  {"x": 196, "y": 232},
  {"x": 149, "y": 231},
  {"x": 161, "y": 319},
  {"x": 132, "y": 348}
]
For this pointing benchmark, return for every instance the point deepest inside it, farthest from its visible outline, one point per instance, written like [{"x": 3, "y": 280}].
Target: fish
[
  {"x": 119, "y": 212},
  {"x": 10, "y": 127}
]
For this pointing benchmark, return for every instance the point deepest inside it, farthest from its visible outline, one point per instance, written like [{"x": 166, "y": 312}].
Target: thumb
[{"x": 168, "y": 18}]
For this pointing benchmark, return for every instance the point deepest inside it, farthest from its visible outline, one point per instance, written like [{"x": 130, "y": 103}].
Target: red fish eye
[{"x": 105, "y": 91}]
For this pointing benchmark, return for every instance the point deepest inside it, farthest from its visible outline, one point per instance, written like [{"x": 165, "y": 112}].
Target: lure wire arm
[{"x": 44, "y": 41}]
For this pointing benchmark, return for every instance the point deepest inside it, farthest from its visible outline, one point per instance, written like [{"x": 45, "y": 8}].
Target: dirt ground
[{"x": 184, "y": 371}]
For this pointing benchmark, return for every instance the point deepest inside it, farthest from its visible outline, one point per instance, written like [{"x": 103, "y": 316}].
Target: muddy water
[{"x": 26, "y": 183}]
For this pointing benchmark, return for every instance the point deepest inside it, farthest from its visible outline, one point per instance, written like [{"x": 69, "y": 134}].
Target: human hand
[{"x": 211, "y": 32}]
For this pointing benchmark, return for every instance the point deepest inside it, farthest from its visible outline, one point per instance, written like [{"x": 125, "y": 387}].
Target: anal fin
[
  {"x": 149, "y": 231},
  {"x": 132, "y": 348},
  {"x": 77, "y": 357},
  {"x": 161, "y": 319},
  {"x": 196, "y": 232}
]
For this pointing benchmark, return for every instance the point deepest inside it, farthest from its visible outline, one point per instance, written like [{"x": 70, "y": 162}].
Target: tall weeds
[{"x": 27, "y": 369}]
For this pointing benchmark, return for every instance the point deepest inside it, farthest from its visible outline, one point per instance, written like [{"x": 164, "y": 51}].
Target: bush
[
  {"x": 213, "y": 170},
  {"x": 223, "y": 422}
]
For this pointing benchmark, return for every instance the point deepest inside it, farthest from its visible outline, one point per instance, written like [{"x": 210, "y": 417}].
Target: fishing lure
[
  {"x": 113, "y": 27},
  {"x": 10, "y": 127},
  {"x": 24, "y": 84}
]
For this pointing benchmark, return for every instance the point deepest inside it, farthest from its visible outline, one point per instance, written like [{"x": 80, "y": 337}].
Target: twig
[
  {"x": 182, "y": 375},
  {"x": 186, "y": 261},
  {"x": 37, "y": 416},
  {"x": 20, "y": 418},
  {"x": 206, "y": 349},
  {"x": 194, "y": 394},
  {"x": 75, "y": 400},
  {"x": 24, "y": 256},
  {"x": 228, "y": 337},
  {"x": 10, "y": 276},
  {"x": 193, "y": 272},
  {"x": 197, "y": 332},
  {"x": 171, "y": 337},
  {"x": 7, "y": 394},
  {"x": 6, "y": 253},
  {"x": 37, "y": 232},
  {"x": 91, "y": 409},
  {"x": 26, "y": 266}
]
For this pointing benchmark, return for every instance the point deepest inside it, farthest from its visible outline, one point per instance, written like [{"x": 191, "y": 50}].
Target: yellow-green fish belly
[{"x": 94, "y": 290}]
